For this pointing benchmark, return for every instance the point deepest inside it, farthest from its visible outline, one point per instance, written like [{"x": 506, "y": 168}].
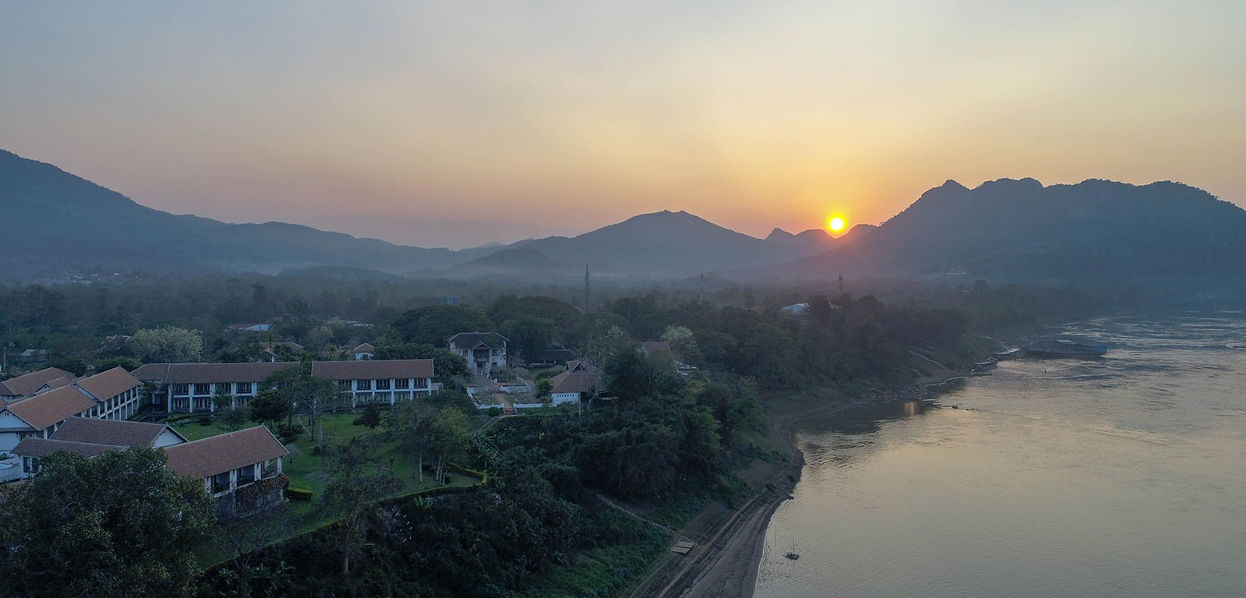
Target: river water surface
[{"x": 1123, "y": 476}]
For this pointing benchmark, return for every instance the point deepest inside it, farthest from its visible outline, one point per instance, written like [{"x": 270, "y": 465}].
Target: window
[
  {"x": 246, "y": 475},
  {"x": 402, "y": 383},
  {"x": 222, "y": 389},
  {"x": 203, "y": 389},
  {"x": 363, "y": 385},
  {"x": 220, "y": 482},
  {"x": 246, "y": 388},
  {"x": 181, "y": 390},
  {"x": 382, "y": 384}
]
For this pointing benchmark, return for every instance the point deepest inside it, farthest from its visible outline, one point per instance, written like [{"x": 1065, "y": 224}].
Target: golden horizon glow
[
  {"x": 451, "y": 124},
  {"x": 836, "y": 224}
]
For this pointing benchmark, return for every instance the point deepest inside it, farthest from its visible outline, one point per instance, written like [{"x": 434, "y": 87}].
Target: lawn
[{"x": 306, "y": 469}]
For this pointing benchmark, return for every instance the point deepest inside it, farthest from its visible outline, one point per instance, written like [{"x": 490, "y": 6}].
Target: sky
[{"x": 459, "y": 123}]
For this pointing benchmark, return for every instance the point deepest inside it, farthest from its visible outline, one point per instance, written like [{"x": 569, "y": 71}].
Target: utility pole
[{"x": 586, "y": 289}]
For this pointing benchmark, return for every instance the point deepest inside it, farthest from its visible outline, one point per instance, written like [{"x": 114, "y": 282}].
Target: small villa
[
  {"x": 579, "y": 382},
  {"x": 482, "y": 350}
]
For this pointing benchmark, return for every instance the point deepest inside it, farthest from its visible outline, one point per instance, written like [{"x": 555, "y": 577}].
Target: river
[{"x": 1122, "y": 476}]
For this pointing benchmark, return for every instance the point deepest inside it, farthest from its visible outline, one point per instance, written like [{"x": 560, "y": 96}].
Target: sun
[{"x": 836, "y": 224}]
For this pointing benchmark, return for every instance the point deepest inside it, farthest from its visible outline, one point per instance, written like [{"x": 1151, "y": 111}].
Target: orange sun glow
[{"x": 836, "y": 224}]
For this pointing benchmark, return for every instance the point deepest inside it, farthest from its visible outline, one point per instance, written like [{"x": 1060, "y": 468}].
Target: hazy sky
[{"x": 457, "y": 123}]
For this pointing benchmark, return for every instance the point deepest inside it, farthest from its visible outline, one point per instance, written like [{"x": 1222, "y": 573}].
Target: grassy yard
[{"x": 309, "y": 470}]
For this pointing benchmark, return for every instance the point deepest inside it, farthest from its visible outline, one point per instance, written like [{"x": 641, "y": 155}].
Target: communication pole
[{"x": 586, "y": 289}]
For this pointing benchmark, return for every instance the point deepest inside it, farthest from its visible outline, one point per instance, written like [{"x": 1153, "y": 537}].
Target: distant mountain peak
[
  {"x": 779, "y": 234},
  {"x": 1026, "y": 184}
]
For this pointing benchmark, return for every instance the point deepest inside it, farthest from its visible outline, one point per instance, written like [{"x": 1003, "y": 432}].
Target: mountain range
[
  {"x": 1093, "y": 231},
  {"x": 55, "y": 222}
]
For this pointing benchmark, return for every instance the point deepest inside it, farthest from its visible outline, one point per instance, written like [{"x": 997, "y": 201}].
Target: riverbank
[{"x": 727, "y": 566}]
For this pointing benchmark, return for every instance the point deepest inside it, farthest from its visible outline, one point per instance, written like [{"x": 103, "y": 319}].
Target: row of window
[
  {"x": 242, "y": 475},
  {"x": 207, "y": 389},
  {"x": 361, "y": 398},
  {"x": 249, "y": 388},
  {"x": 384, "y": 384},
  {"x": 118, "y": 407}
]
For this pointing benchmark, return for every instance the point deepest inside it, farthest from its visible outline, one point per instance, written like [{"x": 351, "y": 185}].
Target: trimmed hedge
[{"x": 299, "y": 494}]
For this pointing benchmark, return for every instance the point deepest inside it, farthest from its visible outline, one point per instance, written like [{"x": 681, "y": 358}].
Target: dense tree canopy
[
  {"x": 170, "y": 343},
  {"x": 120, "y": 524}
]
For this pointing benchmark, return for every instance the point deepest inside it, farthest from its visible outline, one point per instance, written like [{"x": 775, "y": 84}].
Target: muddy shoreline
[{"x": 729, "y": 565}]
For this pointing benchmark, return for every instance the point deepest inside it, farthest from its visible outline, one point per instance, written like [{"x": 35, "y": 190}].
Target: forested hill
[
  {"x": 1093, "y": 231},
  {"x": 658, "y": 244},
  {"x": 55, "y": 221}
]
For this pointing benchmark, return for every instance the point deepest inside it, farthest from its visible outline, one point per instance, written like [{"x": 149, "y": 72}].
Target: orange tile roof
[
  {"x": 52, "y": 407},
  {"x": 105, "y": 385},
  {"x": 26, "y": 384},
  {"x": 189, "y": 373},
  {"x": 41, "y": 447},
  {"x": 111, "y": 432},
  {"x": 373, "y": 369},
  {"x": 219, "y": 454}
]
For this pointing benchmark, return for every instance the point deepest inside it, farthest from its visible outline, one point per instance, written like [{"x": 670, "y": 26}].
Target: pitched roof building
[
  {"x": 190, "y": 387},
  {"x": 229, "y": 461},
  {"x": 363, "y": 351},
  {"x": 124, "y": 433},
  {"x": 579, "y": 382},
  {"x": 482, "y": 350},
  {"x": 379, "y": 380},
  {"x": 29, "y": 384},
  {"x": 91, "y": 437}
]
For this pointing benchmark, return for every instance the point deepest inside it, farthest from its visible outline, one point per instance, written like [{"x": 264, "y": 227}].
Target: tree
[
  {"x": 435, "y": 324},
  {"x": 683, "y": 342},
  {"x": 268, "y": 407},
  {"x": 227, "y": 410},
  {"x": 117, "y": 524},
  {"x": 408, "y": 423},
  {"x": 108, "y": 363},
  {"x": 445, "y": 364},
  {"x": 371, "y": 416},
  {"x": 170, "y": 344},
  {"x": 448, "y": 437},
  {"x": 315, "y": 397},
  {"x": 528, "y": 336},
  {"x": 357, "y": 482}
]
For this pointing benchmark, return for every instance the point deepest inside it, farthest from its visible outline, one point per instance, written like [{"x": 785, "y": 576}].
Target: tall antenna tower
[{"x": 586, "y": 289}]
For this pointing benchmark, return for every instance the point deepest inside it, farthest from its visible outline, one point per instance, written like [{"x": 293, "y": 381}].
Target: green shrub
[
  {"x": 288, "y": 432},
  {"x": 299, "y": 494}
]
